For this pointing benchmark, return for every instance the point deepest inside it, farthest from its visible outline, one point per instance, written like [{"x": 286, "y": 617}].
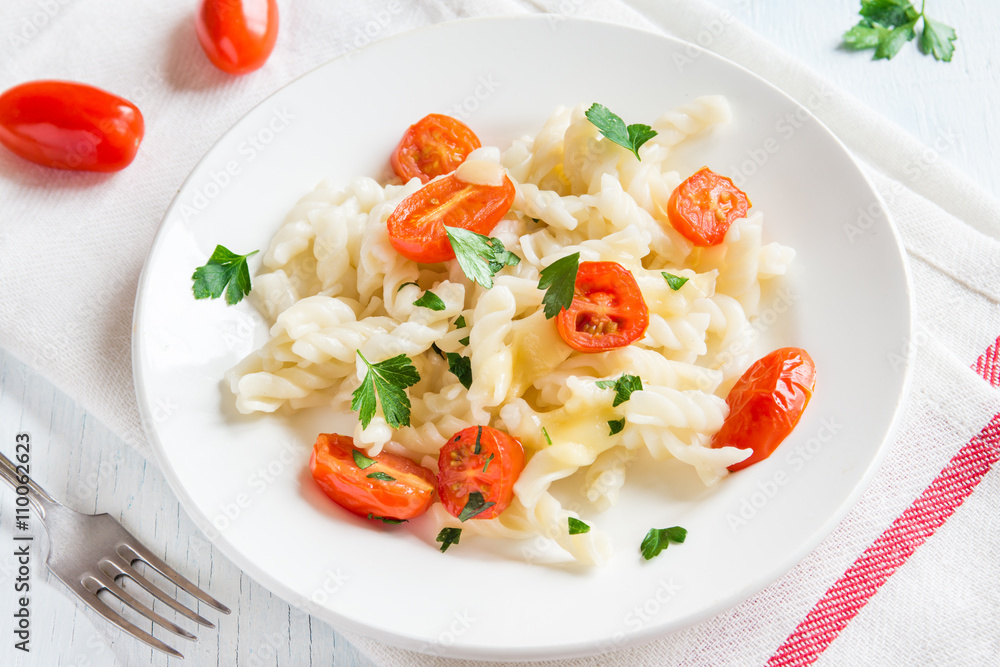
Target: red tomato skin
[
  {"x": 238, "y": 36},
  {"x": 69, "y": 125},
  {"x": 460, "y": 470},
  {"x": 766, "y": 403},
  {"x": 333, "y": 467},
  {"x": 433, "y": 146},
  {"x": 416, "y": 227},
  {"x": 625, "y": 304},
  {"x": 704, "y": 206}
]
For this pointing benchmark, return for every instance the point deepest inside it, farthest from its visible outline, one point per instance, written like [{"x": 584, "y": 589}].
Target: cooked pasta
[{"x": 333, "y": 285}]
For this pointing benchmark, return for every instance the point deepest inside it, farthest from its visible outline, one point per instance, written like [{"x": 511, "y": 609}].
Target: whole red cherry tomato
[
  {"x": 416, "y": 227},
  {"x": 483, "y": 460},
  {"x": 766, "y": 403},
  {"x": 703, "y": 207},
  {"x": 237, "y": 35},
  {"x": 607, "y": 312},
  {"x": 433, "y": 146},
  {"x": 392, "y": 487},
  {"x": 70, "y": 126}
]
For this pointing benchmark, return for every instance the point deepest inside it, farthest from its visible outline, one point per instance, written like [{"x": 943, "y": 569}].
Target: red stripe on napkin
[
  {"x": 988, "y": 365},
  {"x": 845, "y": 599}
]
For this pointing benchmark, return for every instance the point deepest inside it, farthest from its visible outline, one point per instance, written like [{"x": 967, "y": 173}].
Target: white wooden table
[{"x": 950, "y": 107}]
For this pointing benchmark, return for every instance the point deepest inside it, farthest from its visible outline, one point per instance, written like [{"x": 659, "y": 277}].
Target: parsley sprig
[
  {"x": 558, "y": 279},
  {"x": 225, "y": 270},
  {"x": 886, "y": 25},
  {"x": 479, "y": 256},
  {"x": 385, "y": 381},
  {"x": 614, "y": 128}
]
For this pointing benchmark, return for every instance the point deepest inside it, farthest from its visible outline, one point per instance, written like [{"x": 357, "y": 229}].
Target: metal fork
[{"x": 89, "y": 552}]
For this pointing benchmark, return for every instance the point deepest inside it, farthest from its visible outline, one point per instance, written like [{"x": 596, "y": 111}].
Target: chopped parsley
[
  {"x": 384, "y": 519},
  {"x": 385, "y": 381},
  {"x": 400, "y": 288},
  {"x": 448, "y": 537},
  {"x": 614, "y": 128},
  {"x": 361, "y": 460},
  {"x": 381, "y": 476},
  {"x": 225, "y": 270},
  {"x": 558, "y": 279},
  {"x": 430, "y": 300},
  {"x": 460, "y": 322},
  {"x": 623, "y": 386},
  {"x": 675, "y": 282},
  {"x": 460, "y": 367},
  {"x": 474, "y": 506},
  {"x": 616, "y": 425},
  {"x": 657, "y": 539},
  {"x": 488, "y": 462},
  {"x": 577, "y": 527},
  {"x": 479, "y": 256},
  {"x": 546, "y": 434}
]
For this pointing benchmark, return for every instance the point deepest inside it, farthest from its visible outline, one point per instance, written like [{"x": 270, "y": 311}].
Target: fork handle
[{"x": 37, "y": 496}]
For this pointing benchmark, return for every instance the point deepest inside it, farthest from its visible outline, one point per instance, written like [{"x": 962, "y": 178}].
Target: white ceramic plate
[{"x": 245, "y": 480}]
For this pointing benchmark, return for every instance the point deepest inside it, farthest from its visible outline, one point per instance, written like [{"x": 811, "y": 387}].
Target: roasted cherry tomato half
[
  {"x": 483, "y": 460},
  {"x": 237, "y": 35},
  {"x": 703, "y": 207},
  {"x": 608, "y": 310},
  {"x": 70, "y": 126},
  {"x": 370, "y": 490},
  {"x": 433, "y": 146},
  {"x": 416, "y": 227},
  {"x": 766, "y": 403}
]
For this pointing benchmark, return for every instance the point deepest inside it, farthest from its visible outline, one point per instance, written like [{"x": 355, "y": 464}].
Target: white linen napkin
[{"x": 72, "y": 246}]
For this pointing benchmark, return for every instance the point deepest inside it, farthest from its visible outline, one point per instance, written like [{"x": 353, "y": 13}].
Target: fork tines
[{"x": 120, "y": 565}]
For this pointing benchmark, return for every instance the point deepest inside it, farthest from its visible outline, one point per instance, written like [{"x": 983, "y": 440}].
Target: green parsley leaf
[
  {"x": 385, "y": 381},
  {"x": 613, "y": 127},
  {"x": 862, "y": 37},
  {"x": 479, "y": 441},
  {"x": 623, "y": 386},
  {"x": 675, "y": 282},
  {"x": 889, "y": 13},
  {"x": 430, "y": 300},
  {"x": 479, "y": 256},
  {"x": 937, "y": 39},
  {"x": 225, "y": 270},
  {"x": 558, "y": 279},
  {"x": 488, "y": 462},
  {"x": 461, "y": 367},
  {"x": 383, "y": 519},
  {"x": 460, "y": 322},
  {"x": 361, "y": 460},
  {"x": 546, "y": 434},
  {"x": 400, "y": 288},
  {"x": 576, "y": 527},
  {"x": 448, "y": 537},
  {"x": 617, "y": 425},
  {"x": 657, "y": 539},
  {"x": 464, "y": 341},
  {"x": 892, "y": 41},
  {"x": 380, "y": 475},
  {"x": 474, "y": 506}
]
